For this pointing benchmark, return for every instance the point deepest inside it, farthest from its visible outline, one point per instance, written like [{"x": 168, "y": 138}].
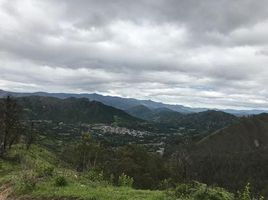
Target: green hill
[
  {"x": 71, "y": 110},
  {"x": 207, "y": 121},
  {"x": 202, "y": 122},
  {"x": 248, "y": 134},
  {"x": 233, "y": 155}
]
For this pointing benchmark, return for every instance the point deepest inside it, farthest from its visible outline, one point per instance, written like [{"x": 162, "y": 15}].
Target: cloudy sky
[{"x": 191, "y": 52}]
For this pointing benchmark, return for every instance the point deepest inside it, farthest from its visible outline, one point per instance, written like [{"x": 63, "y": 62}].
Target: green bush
[
  {"x": 200, "y": 191},
  {"x": 95, "y": 176},
  {"x": 125, "y": 181},
  {"x": 60, "y": 181},
  {"x": 182, "y": 190},
  {"x": 245, "y": 194}
]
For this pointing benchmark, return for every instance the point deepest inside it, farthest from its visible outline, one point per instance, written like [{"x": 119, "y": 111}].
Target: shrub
[
  {"x": 182, "y": 190},
  {"x": 200, "y": 191},
  {"x": 95, "y": 176},
  {"x": 245, "y": 194},
  {"x": 60, "y": 181},
  {"x": 125, "y": 181}
]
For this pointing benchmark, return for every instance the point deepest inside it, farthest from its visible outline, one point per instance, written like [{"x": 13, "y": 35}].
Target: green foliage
[
  {"x": 125, "y": 181},
  {"x": 95, "y": 176},
  {"x": 200, "y": 191},
  {"x": 245, "y": 194},
  {"x": 86, "y": 153},
  {"x": 87, "y": 192},
  {"x": 60, "y": 181},
  {"x": 146, "y": 169}
]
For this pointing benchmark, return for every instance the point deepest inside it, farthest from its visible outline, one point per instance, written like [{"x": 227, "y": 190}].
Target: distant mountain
[
  {"x": 71, "y": 110},
  {"x": 129, "y": 103},
  {"x": 158, "y": 115},
  {"x": 202, "y": 122},
  {"x": 247, "y": 135},
  {"x": 117, "y": 102}
]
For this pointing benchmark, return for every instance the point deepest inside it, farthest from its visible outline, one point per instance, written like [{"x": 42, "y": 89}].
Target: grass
[{"x": 99, "y": 193}]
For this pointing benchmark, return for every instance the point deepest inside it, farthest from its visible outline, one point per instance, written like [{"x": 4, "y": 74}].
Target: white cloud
[{"x": 210, "y": 53}]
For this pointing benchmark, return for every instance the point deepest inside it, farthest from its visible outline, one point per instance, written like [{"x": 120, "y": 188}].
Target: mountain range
[{"x": 129, "y": 103}]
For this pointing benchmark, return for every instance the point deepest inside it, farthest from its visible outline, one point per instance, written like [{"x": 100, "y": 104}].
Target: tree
[
  {"x": 88, "y": 152},
  {"x": 9, "y": 123}
]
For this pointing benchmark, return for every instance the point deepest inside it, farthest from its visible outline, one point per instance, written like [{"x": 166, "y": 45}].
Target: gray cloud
[{"x": 198, "y": 53}]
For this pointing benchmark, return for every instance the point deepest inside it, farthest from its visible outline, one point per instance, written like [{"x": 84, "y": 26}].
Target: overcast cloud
[{"x": 191, "y": 52}]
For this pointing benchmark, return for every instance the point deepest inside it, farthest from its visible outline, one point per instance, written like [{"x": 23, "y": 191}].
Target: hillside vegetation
[
  {"x": 71, "y": 110},
  {"x": 247, "y": 135},
  {"x": 202, "y": 122},
  {"x": 230, "y": 156},
  {"x": 39, "y": 174}
]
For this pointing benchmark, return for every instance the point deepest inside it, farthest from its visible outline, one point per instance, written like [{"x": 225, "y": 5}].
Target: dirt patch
[{"x": 5, "y": 191}]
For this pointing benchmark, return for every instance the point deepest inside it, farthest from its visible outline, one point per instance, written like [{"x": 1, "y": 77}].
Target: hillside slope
[
  {"x": 28, "y": 178},
  {"x": 248, "y": 134},
  {"x": 71, "y": 110}
]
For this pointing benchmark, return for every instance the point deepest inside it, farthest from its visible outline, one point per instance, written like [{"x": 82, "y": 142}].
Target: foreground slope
[{"x": 31, "y": 179}]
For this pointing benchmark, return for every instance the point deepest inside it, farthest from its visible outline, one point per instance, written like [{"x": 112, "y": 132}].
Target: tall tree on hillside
[
  {"x": 9, "y": 123},
  {"x": 88, "y": 152}
]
